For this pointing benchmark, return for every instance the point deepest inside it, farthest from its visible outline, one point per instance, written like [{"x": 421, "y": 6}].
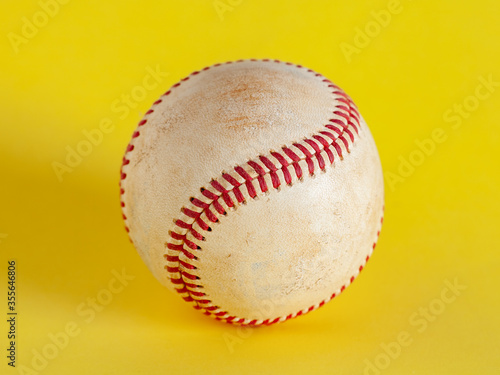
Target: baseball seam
[{"x": 244, "y": 182}]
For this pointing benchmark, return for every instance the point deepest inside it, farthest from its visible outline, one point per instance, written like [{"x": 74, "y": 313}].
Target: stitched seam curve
[{"x": 229, "y": 189}]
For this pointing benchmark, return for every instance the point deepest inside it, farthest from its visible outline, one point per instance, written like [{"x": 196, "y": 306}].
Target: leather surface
[{"x": 289, "y": 248}]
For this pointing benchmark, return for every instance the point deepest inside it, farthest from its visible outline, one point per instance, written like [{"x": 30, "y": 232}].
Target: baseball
[{"x": 254, "y": 190}]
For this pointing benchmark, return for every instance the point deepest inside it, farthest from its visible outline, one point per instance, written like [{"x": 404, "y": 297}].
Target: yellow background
[{"x": 441, "y": 218}]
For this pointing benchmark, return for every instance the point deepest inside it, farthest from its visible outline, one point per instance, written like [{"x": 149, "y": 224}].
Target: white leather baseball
[{"x": 254, "y": 189}]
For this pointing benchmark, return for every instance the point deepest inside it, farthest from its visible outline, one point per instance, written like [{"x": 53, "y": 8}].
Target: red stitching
[
  {"x": 347, "y": 116},
  {"x": 292, "y": 155},
  {"x": 190, "y": 213},
  {"x": 199, "y": 203},
  {"x": 182, "y": 224},
  {"x": 209, "y": 194},
  {"x": 268, "y": 163},
  {"x": 251, "y": 189},
  {"x": 210, "y": 215},
  {"x": 202, "y": 224}
]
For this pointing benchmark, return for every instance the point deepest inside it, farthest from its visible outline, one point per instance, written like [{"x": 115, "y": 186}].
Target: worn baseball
[{"x": 254, "y": 190}]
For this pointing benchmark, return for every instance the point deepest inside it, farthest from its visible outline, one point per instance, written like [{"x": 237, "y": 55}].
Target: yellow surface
[{"x": 408, "y": 77}]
